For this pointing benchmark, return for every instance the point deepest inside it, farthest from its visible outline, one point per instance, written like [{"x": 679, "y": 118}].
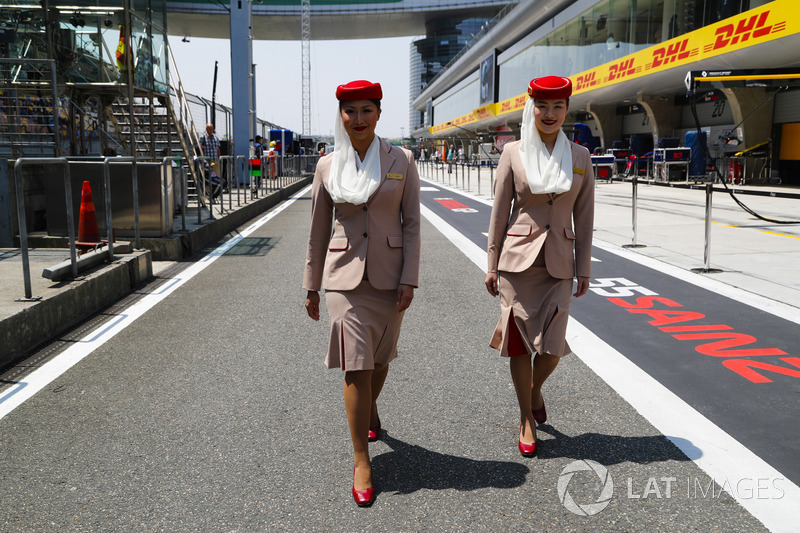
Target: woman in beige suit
[
  {"x": 364, "y": 243},
  {"x": 540, "y": 237}
]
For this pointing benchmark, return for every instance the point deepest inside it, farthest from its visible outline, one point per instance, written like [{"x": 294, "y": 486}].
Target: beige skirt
[
  {"x": 534, "y": 310},
  {"x": 365, "y": 326}
]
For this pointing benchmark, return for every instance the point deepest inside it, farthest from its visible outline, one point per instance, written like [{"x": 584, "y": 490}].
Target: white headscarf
[
  {"x": 347, "y": 181},
  {"x": 546, "y": 173}
]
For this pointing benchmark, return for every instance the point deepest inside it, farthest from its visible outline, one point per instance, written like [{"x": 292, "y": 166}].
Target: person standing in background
[{"x": 210, "y": 144}]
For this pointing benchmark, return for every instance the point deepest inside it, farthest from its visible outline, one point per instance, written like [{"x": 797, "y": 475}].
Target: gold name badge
[
  {"x": 391, "y": 176},
  {"x": 578, "y": 170}
]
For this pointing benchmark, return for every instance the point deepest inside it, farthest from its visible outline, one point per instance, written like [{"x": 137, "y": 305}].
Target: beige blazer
[
  {"x": 380, "y": 238},
  {"x": 522, "y": 222}
]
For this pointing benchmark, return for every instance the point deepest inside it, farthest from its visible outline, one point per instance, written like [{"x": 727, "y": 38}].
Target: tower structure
[{"x": 305, "y": 30}]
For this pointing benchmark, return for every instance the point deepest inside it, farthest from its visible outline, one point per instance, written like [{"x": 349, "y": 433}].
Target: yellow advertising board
[
  {"x": 463, "y": 120},
  {"x": 484, "y": 112},
  {"x": 766, "y": 23},
  {"x": 774, "y": 20}
]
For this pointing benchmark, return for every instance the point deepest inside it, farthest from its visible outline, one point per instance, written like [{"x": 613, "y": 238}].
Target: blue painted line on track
[
  {"x": 14, "y": 390},
  {"x": 107, "y": 327}
]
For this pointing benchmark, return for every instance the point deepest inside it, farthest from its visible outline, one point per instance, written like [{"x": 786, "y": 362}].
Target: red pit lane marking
[
  {"x": 724, "y": 341},
  {"x": 454, "y": 205}
]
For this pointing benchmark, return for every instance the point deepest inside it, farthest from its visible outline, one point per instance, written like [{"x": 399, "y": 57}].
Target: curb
[{"x": 38, "y": 324}]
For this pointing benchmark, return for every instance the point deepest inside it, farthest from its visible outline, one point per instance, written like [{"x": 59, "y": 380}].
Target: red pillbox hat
[
  {"x": 359, "y": 90},
  {"x": 550, "y": 88}
]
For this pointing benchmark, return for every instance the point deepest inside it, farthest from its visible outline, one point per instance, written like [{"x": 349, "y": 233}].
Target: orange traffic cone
[{"x": 88, "y": 232}]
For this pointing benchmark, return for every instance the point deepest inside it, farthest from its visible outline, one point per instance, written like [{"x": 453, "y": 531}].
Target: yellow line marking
[
  {"x": 779, "y": 234},
  {"x": 726, "y": 225},
  {"x": 761, "y": 230}
]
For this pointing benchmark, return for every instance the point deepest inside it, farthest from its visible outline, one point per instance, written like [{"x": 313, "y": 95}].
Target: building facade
[
  {"x": 444, "y": 40},
  {"x": 67, "y": 71},
  {"x": 628, "y": 60}
]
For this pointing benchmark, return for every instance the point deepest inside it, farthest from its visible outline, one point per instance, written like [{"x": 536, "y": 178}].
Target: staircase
[
  {"x": 157, "y": 134},
  {"x": 162, "y": 126},
  {"x": 157, "y": 124}
]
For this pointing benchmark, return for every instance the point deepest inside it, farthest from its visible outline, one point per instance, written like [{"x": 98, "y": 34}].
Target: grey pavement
[{"x": 214, "y": 412}]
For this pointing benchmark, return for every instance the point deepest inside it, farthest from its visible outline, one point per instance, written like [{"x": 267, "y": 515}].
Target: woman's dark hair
[{"x": 373, "y": 100}]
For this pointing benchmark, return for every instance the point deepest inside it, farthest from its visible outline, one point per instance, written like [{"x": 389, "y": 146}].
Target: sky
[{"x": 279, "y": 77}]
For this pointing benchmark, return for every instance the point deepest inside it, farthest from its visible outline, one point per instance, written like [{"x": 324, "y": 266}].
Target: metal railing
[
  {"x": 236, "y": 181},
  {"x": 184, "y": 114},
  {"x": 246, "y": 188},
  {"x": 469, "y": 172},
  {"x": 22, "y": 222},
  {"x": 23, "y": 228}
]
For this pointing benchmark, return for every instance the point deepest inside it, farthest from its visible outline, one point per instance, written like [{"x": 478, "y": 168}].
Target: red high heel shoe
[
  {"x": 374, "y": 433},
  {"x": 527, "y": 450},
  {"x": 363, "y": 498}
]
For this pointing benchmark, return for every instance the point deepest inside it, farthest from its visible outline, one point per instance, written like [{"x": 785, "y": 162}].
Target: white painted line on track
[
  {"x": 484, "y": 201},
  {"x": 757, "y": 301},
  {"x": 474, "y": 252},
  {"x": 730, "y": 464},
  {"x": 718, "y": 454},
  {"x": 44, "y": 375}
]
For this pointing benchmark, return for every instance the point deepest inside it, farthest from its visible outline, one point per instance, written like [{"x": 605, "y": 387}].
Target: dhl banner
[
  {"x": 482, "y": 113},
  {"x": 757, "y": 26},
  {"x": 460, "y": 121},
  {"x": 768, "y": 22}
]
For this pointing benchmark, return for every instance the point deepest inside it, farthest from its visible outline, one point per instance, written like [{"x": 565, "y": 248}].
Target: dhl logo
[
  {"x": 586, "y": 81},
  {"x": 754, "y": 26},
  {"x": 670, "y": 54},
  {"x": 509, "y": 105},
  {"x": 620, "y": 70}
]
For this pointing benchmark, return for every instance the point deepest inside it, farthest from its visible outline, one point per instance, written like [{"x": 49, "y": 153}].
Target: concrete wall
[{"x": 49, "y": 318}]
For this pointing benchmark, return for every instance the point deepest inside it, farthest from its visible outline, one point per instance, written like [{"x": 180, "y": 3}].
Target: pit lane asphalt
[{"x": 214, "y": 412}]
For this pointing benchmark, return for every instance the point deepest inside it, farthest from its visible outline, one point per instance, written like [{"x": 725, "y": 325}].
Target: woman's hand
[
  {"x": 405, "y": 293},
  {"x": 491, "y": 283},
  {"x": 312, "y": 304},
  {"x": 583, "y": 286}
]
